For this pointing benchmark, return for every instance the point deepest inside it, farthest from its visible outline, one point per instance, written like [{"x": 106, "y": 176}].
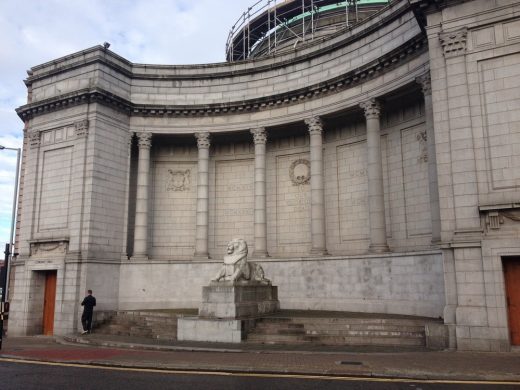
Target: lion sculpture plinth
[{"x": 236, "y": 267}]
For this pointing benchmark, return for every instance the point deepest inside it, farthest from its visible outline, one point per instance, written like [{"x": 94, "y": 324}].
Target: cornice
[{"x": 411, "y": 49}]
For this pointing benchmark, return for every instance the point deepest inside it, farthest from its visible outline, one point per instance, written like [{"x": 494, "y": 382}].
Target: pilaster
[
  {"x": 201, "y": 230},
  {"x": 260, "y": 140},
  {"x": 376, "y": 201},
  {"x": 318, "y": 239},
  {"x": 144, "y": 141}
]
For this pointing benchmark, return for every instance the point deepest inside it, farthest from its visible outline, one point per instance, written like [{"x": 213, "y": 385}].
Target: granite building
[{"x": 371, "y": 168}]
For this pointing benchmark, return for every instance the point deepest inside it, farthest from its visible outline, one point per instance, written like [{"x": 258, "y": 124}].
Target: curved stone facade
[{"x": 370, "y": 172}]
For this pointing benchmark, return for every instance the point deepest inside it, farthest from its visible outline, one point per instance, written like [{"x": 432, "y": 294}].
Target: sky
[{"x": 172, "y": 32}]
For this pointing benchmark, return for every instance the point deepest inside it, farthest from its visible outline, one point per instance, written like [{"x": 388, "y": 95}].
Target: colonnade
[{"x": 376, "y": 205}]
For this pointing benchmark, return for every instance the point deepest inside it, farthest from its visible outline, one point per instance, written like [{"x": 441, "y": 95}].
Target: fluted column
[
  {"x": 260, "y": 139},
  {"x": 376, "y": 200},
  {"x": 144, "y": 141},
  {"x": 425, "y": 83},
  {"x": 318, "y": 240},
  {"x": 201, "y": 233}
]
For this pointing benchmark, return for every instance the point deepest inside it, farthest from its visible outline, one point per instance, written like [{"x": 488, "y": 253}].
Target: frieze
[
  {"x": 300, "y": 172},
  {"x": 179, "y": 180},
  {"x": 49, "y": 248},
  {"x": 495, "y": 218},
  {"x": 411, "y": 48},
  {"x": 240, "y": 187},
  {"x": 238, "y": 212}
]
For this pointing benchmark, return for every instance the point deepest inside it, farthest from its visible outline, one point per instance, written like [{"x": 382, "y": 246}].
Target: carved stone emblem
[
  {"x": 300, "y": 172},
  {"x": 179, "y": 180},
  {"x": 454, "y": 42}
]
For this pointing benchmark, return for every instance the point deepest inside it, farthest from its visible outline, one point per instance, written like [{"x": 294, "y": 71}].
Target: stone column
[
  {"x": 425, "y": 83},
  {"x": 318, "y": 240},
  {"x": 260, "y": 139},
  {"x": 376, "y": 200},
  {"x": 201, "y": 233},
  {"x": 144, "y": 141}
]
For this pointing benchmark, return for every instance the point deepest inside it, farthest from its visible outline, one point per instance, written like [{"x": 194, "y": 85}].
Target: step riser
[
  {"x": 339, "y": 331},
  {"x": 161, "y": 326}
]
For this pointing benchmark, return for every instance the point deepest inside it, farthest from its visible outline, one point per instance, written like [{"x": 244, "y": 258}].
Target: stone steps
[
  {"x": 147, "y": 324},
  {"x": 339, "y": 331}
]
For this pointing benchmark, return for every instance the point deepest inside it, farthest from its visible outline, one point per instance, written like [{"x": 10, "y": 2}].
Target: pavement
[{"x": 114, "y": 351}]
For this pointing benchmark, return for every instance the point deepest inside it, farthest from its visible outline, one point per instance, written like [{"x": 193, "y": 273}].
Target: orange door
[
  {"x": 512, "y": 279},
  {"x": 48, "y": 303}
]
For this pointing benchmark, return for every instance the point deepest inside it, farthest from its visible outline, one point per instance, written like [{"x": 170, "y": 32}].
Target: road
[{"x": 16, "y": 375}]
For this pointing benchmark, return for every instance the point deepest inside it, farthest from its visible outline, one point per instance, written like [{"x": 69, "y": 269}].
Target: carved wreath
[
  {"x": 299, "y": 172},
  {"x": 179, "y": 180}
]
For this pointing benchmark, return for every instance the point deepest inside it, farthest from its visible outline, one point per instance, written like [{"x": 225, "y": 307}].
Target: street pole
[
  {"x": 3, "y": 278},
  {"x": 9, "y": 250}
]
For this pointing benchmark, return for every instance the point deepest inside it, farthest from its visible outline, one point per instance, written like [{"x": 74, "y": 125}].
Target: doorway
[
  {"x": 49, "y": 302},
  {"x": 512, "y": 284}
]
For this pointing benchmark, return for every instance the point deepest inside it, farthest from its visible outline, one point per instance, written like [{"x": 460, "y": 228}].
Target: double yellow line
[{"x": 260, "y": 375}]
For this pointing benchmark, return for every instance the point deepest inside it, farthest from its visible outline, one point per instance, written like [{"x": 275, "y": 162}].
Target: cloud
[{"x": 142, "y": 31}]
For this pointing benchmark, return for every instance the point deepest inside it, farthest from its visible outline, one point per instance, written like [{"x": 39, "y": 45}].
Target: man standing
[{"x": 88, "y": 309}]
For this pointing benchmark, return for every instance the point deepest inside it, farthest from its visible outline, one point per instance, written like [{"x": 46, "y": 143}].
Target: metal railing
[{"x": 269, "y": 24}]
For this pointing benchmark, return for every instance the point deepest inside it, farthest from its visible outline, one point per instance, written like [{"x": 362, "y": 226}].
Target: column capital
[
  {"x": 314, "y": 124},
  {"x": 259, "y": 135},
  {"x": 203, "y": 139},
  {"x": 372, "y": 108},
  {"x": 144, "y": 140},
  {"x": 454, "y": 42},
  {"x": 425, "y": 82},
  {"x": 81, "y": 128}
]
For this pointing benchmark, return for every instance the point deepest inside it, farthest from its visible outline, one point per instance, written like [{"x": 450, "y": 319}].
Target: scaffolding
[{"x": 274, "y": 26}]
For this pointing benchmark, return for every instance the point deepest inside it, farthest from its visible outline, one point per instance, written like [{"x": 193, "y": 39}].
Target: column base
[
  {"x": 318, "y": 252},
  {"x": 259, "y": 255},
  {"x": 201, "y": 256},
  {"x": 139, "y": 257},
  {"x": 378, "y": 248}
]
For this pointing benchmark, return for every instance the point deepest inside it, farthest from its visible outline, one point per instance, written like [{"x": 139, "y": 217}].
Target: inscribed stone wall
[
  {"x": 353, "y": 192},
  {"x": 106, "y": 179},
  {"x": 55, "y": 189},
  {"x": 415, "y": 174},
  {"x": 174, "y": 208},
  {"x": 293, "y": 202},
  {"x": 234, "y": 203},
  {"x": 500, "y": 87}
]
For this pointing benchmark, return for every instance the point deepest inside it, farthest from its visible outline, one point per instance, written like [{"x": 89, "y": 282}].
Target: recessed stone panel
[
  {"x": 174, "y": 211},
  {"x": 293, "y": 199},
  {"x": 353, "y": 191},
  {"x": 234, "y": 201},
  {"x": 414, "y": 156},
  {"x": 55, "y": 189},
  {"x": 500, "y": 89}
]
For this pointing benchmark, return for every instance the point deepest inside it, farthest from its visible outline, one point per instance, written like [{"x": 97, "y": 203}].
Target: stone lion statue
[{"x": 237, "y": 268}]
